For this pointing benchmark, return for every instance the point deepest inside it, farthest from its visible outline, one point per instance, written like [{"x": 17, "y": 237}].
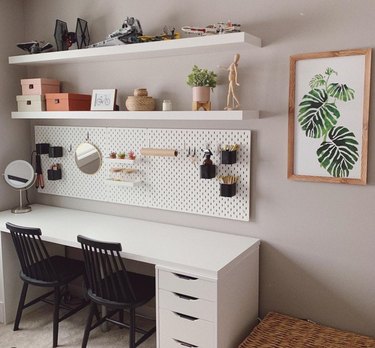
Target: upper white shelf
[
  {"x": 216, "y": 115},
  {"x": 193, "y": 45}
]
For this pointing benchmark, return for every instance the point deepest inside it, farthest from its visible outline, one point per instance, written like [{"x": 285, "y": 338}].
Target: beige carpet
[{"x": 36, "y": 332}]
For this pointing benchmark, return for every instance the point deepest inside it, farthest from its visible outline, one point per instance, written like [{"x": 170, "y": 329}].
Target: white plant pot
[{"x": 201, "y": 94}]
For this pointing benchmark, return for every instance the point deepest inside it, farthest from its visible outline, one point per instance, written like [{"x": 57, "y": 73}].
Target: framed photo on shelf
[
  {"x": 329, "y": 95},
  {"x": 103, "y": 99}
]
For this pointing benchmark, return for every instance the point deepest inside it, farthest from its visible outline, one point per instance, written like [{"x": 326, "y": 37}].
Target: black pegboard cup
[
  {"x": 228, "y": 190},
  {"x": 55, "y": 151},
  {"x": 42, "y": 148},
  {"x": 228, "y": 157},
  {"x": 207, "y": 172},
  {"x": 54, "y": 174}
]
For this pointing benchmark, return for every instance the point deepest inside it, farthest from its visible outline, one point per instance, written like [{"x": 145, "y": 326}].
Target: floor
[{"x": 36, "y": 332}]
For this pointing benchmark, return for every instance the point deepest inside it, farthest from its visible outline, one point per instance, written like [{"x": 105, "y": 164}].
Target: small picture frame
[{"x": 103, "y": 99}]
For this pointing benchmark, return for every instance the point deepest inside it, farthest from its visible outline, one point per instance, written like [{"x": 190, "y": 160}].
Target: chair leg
[
  {"x": 20, "y": 306},
  {"x": 56, "y": 316},
  {"x": 132, "y": 328},
  {"x": 121, "y": 317},
  {"x": 93, "y": 310}
]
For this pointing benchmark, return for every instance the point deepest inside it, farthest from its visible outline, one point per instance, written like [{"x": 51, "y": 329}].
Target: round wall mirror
[
  {"x": 20, "y": 175},
  {"x": 88, "y": 158}
]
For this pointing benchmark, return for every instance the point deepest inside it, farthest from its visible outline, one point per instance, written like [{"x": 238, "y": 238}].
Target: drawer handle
[
  {"x": 185, "y": 344},
  {"x": 187, "y": 317},
  {"x": 186, "y": 297},
  {"x": 185, "y": 277}
]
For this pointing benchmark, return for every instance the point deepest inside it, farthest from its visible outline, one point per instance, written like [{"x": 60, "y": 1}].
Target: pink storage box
[
  {"x": 68, "y": 102},
  {"x": 39, "y": 86}
]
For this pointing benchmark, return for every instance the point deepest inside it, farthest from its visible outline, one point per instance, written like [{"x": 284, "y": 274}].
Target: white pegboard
[{"x": 170, "y": 183}]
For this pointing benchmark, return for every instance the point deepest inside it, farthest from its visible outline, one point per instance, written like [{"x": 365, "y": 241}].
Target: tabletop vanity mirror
[
  {"x": 88, "y": 158},
  {"x": 20, "y": 175}
]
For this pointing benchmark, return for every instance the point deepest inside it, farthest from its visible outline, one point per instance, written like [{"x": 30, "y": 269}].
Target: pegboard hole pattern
[{"x": 170, "y": 183}]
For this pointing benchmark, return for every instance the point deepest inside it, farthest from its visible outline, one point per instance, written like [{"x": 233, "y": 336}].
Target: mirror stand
[{"x": 21, "y": 209}]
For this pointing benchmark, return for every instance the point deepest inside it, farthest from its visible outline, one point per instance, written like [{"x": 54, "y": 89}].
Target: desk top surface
[{"x": 151, "y": 242}]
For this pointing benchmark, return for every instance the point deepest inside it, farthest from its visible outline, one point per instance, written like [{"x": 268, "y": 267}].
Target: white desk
[{"x": 217, "y": 272}]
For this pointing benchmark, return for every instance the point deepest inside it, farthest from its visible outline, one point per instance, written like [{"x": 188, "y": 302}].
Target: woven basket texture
[{"x": 281, "y": 331}]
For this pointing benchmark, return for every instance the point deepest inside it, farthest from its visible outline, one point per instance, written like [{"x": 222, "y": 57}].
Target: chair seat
[
  {"x": 67, "y": 269},
  {"x": 143, "y": 287}
]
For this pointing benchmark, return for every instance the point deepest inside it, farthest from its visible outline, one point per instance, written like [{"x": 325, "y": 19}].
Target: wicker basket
[
  {"x": 140, "y": 103},
  {"x": 281, "y": 331}
]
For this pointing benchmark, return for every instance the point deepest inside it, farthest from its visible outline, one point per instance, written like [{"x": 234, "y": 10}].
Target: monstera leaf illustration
[
  {"x": 339, "y": 91},
  {"x": 316, "y": 116},
  {"x": 317, "y": 81},
  {"x": 340, "y": 153}
]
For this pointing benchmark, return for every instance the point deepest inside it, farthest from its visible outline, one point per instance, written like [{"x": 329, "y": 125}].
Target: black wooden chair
[
  {"x": 39, "y": 269},
  {"x": 112, "y": 286}
]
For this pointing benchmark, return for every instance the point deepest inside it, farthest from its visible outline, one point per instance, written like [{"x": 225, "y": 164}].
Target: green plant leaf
[
  {"x": 316, "y": 116},
  {"x": 317, "y": 81},
  {"x": 341, "y": 92},
  {"x": 330, "y": 71},
  {"x": 339, "y": 154}
]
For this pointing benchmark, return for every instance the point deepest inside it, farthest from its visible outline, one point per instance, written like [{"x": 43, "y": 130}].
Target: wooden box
[
  {"x": 31, "y": 103},
  {"x": 68, "y": 102},
  {"x": 39, "y": 86}
]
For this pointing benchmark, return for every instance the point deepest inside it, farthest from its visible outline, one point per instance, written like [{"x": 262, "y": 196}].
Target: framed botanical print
[{"x": 329, "y": 96}]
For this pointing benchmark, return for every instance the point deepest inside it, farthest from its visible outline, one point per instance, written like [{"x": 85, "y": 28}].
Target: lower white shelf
[
  {"x": 215, "y": 115},
  {"x": 123, "y": 183}
]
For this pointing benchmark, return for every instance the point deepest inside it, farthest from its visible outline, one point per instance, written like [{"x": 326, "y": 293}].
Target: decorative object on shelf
[
  {"x": 123, "y": 170},
  {"x": 202, "y": 81},
  {"x": 33, "y": 47},
  {"x": 328, "y": 116},
  {"x": 128, "y": 33},
  {"x": 132, "y": 155},
  {"x": 39, "y": 86},
  {"x": 103, "y": 99},
  {"x": 68, "y": 102},
  {"x": 54, "y": 173},
  {"x": 229, "y": 154},
  {"x": 20, "y": 175},
  {"x": 158, "y": 152},
  {"x": 168, "y": 34},
  {"x": 233, "y": 81},
  {"x": 27, "y": 103},
  {"x": 121, "y": 155},
  {"x": 113, "y": 155},
  {"x": 140, "y": 101},
  {"x": 213, "y": 29},
  {"x": 65, "y": 39},
  {"x": 207, "y": 169},
  {"x": 167, "y": 105}
]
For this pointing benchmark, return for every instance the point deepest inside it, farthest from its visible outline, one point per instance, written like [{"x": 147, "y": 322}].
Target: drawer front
[
  {"x": 177, "y": 329},
  {"x": 181, "y": 303},
  {"x": 187, "y": 285}
]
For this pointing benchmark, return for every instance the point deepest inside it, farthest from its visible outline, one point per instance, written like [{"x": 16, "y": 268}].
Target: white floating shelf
[
  {"x": 123, "y": 183},
  {"x": 119, "y": 161},
  {"x": 193, "y": 45},
  {"x": 218, "y": 115}
]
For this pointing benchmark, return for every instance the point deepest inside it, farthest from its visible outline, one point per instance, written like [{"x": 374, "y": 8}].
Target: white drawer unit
[
  {"x": 180, "y": 330},
  {"x": 192, "y": 306},
  {"x": 211, "y": 311},
  {"x": 188, "y": 284}
]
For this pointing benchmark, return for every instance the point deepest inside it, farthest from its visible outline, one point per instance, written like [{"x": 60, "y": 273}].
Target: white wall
[{"x": 317, "y": 254}]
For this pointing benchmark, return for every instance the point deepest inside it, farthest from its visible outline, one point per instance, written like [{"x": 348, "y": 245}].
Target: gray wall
[
  {"x": 318, "y": 240},
  {"x": 14, "y": 135}
]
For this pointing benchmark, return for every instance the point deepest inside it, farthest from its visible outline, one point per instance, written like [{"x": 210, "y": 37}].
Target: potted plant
[{"x": 202, "y": 81}]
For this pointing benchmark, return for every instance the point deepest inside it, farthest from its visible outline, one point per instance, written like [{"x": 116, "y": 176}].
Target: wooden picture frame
[
  {"x": 103, "y": 99},
  {"x": 329, "y": 98}
]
